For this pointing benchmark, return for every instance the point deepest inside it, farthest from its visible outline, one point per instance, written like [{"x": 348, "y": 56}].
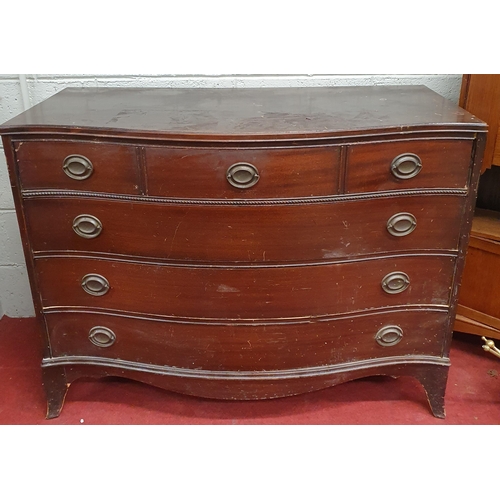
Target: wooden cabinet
[
  {"x": 245, "y": 243},
  {"x": 480, "y": 94},
  {"x": 478, "y": 311}
]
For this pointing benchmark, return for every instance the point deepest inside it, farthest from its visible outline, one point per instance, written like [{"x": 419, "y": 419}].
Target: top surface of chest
[{"x": 244, "y": 114}]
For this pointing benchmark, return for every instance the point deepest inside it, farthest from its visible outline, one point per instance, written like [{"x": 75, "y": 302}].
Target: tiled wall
[{"x": 18, "y": 92}]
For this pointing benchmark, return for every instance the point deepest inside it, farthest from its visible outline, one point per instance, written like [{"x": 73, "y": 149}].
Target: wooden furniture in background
[
  {"x": 245, "y": 243},
  {"x": 480, "y": 94},
  {"x": 478, "y": 311}
]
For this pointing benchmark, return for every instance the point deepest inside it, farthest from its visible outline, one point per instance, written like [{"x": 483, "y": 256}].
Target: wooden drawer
[
  {"x": 279, "y": 173},
  {"x": 266, "y": 233},
  {"x": 105, "y": 167},
  {"x": 444, "y": 164},
  {"x": 244, "y": 347},
  {"x": 245, "y": 292}
]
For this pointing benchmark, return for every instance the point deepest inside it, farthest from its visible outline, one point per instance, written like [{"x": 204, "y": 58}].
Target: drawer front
[
  {"x": 270, "y": 233},
  {"x": 408, "y": 165},
  {"x": 253, "y": 173},
  {"x": 243, "y": 347},
  {"x": 244, "y": 293},
  {"x": 81, "y": 166}
]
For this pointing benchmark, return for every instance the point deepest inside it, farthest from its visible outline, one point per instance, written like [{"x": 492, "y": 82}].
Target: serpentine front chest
[{"x": 245, "y": 243}]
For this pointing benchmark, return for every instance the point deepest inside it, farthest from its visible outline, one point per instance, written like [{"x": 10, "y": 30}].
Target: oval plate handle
[
  {"x": 102, "y": 336},
  {"x": 242, "y": 175},
  {"x": 396, "y": 282},
  {"x": 87, "y": 226},
  {"x": 95, "y": 284},
  {"x": 77, "y": 167},
  {"x": 401, "y": 224},
  {"x": 389, "y": 335},
  {"x": 406, "y": 166}
]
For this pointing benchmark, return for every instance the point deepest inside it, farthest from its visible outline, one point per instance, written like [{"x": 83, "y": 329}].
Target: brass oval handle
[
  {"x": 389, "y": 335},
  {"x": 95, "y": 284},
  {"x": 242, "y": 175},
  {"x": 77, "y": 167},
  {"x": 401, "y": 224},
  {"x": 87, "y": 226},
  {"x": 396, "y": 282},
  {"x": 406, "y": 166},
  {"x": 102, "y": 336}
]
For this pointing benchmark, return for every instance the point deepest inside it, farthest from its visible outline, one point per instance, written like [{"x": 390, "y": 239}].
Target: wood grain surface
[
  {"x": 244, "y": 293},
  {"x": 115, "y": 166},
  {"x": 283, "y": 173},
  {"x": 243, "y": 114},
  {"x": 258, "y": 234},
  {"x": 230, "y": 346},
  {"x": 254, "y": 293},
  {"x": 445, "y": 163}
]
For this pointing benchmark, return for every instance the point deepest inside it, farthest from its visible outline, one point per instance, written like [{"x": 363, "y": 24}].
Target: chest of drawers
[{"x": 245, "y": 243}]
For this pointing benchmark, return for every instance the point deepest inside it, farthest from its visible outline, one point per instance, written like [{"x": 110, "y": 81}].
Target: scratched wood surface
[{"x": 262, "y": 292}]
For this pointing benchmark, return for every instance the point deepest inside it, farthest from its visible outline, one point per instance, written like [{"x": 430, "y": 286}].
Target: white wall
[
  {"x": 15, "y": 295},
  {"x": 18, "y": 92}
]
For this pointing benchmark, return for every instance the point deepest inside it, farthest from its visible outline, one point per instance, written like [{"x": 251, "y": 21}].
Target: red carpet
[{"x": 473, "y": 395}]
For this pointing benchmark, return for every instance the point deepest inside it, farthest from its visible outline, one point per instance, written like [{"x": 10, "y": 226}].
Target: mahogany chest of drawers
[{"x": 245, "y": 243}]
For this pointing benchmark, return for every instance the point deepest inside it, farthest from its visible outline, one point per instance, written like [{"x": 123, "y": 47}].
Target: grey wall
[{"x": 19, "y": 92}]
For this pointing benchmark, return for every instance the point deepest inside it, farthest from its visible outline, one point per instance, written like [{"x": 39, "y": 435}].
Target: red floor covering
[{"x": 473, "y": 395}]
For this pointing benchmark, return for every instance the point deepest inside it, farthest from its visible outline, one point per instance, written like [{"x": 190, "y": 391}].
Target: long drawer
[
  {"x": 247, "y": 347},
  {"x": 244, "y": 292},
  {"x": 231, "y": 233}
]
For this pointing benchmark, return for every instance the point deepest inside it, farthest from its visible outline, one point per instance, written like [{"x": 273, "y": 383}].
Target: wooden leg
[
  {"x": 56, "y": 386},
  {"x": 433, "y": 379}
]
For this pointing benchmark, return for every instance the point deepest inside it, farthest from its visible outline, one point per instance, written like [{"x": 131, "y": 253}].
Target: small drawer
[
  {"x": 230, "y": 346},
  {"x": 244, "y": 293},
  {"x": 242, "y": 173},
  {"x": 80, "y": 166},
  {"x": 413, "y": 164}
]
